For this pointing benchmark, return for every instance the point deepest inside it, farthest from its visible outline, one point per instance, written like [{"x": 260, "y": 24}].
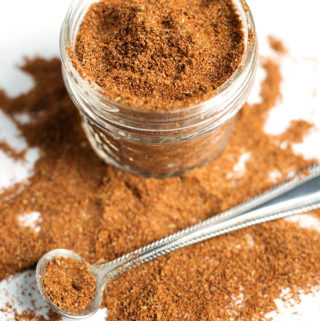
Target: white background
[{"x": 31, "y": 27}]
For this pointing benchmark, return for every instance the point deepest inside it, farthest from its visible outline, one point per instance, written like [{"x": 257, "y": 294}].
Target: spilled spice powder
[
  {"x": 101, "y": 213},
  {"x": 277, "y": 45},
  {"x": 69, "y": 284},
  {"x": 159, "y": 55},
  {"x": 29, "y": 315}
]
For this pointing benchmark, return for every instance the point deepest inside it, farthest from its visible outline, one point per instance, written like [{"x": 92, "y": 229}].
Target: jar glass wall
[{"x": 159, "y": 144}]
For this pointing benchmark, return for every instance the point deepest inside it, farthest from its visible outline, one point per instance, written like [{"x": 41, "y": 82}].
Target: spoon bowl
[{"x": 41, "y": 269}]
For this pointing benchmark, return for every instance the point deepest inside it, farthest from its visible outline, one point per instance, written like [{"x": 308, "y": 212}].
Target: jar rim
[{"x": 209, "y": 106}]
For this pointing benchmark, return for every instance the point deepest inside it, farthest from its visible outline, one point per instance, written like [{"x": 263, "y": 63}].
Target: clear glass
[{"x": 158, "y": 144}]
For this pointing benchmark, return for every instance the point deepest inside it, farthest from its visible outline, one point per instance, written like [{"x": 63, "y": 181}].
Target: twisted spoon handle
[{"x": 299, "y": 195}]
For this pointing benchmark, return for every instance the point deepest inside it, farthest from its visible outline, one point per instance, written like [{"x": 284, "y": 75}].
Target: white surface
[
  {"x": 297, "y": 25},
  {"x": 302, "y": 76},
  {"x": 306, "y": 310},
  {"x": 31, "y": 28},
  {"x": 239, "y": 168},
  {"x": 32, "y": 220},
  {"x": 13, "y": 171},
  {"x": 305, "y": 221}
]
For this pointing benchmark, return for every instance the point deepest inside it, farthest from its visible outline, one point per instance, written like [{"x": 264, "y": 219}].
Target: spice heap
[
  {"x": 101, "y": 213},
  {"x": 69, "y": 284},
  {"x": 159, "y": 55}
]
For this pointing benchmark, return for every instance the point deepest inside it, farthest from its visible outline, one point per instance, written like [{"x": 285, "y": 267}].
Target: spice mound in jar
[
  {"x": 69, "y": 284},
  {"x": 159, "y": 55}
]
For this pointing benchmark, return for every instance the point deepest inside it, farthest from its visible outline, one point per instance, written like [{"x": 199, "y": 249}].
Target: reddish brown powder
[
  {"x": 69, "y": 284},
  {"x": 277, "y": 45},
  {"x": 159, "y": 55},
  {"x": 10, "y": 151},
  {"x": 101, "y": 213}
]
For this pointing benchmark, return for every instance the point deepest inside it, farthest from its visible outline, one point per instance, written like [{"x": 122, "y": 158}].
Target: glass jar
[{"x": 158, "y": 144}]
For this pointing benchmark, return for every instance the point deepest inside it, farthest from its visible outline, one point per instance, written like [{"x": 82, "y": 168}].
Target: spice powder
[
  {"x": 159, "y": 55},
  {"x": 101, "y": 213},
  {"x": 69, "y": 284}
]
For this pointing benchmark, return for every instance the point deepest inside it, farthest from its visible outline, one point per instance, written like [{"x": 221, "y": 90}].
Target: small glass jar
[{"x": 158, "y": 144}]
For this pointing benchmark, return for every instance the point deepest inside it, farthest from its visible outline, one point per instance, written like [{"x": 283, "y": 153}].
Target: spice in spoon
[
  {"x": 159, "y": 55},
  {"x": 69, "y": 284}
]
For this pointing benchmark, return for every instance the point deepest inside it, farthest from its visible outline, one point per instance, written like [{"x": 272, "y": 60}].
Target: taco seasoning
[
  {"x": 103, "y": 213},
  {"x": 158, "y": 83},
  {"x": 69, "y": 284}
]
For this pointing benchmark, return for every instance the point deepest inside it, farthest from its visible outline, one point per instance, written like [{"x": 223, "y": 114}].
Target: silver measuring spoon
[{"x": 301, "y": 194}]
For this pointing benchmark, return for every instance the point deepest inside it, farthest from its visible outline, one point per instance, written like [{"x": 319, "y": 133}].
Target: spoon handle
[{"x": 298, "y": 195}]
